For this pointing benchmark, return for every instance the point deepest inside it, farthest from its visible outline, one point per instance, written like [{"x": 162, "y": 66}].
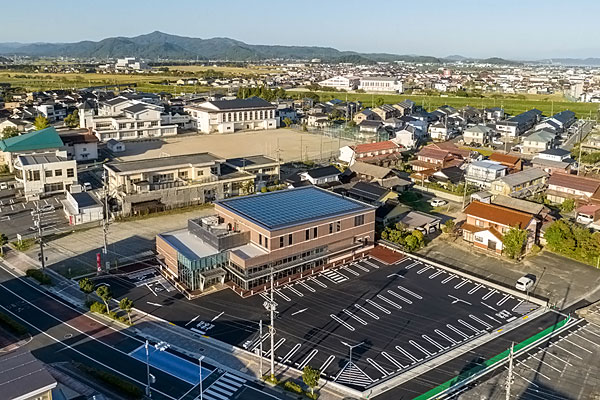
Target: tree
[
  {"x": 568, "y": 205},
  {"x": 513, "y": 241},
  {"x": 449, "y": 226},
  {"x": 40, "y": 123},
  {"x": 3, "y": 241},
  {"x": 10, "y": 131},
  {"x": 126, "y": 305},
  {"x": 104, "y": 293},
  {"x": 310, "y": 377},
  {"x": 86, "y": 286},
  {"x": 287, "y": 121},
  {"x": 379, "y": 101},
  {"x": 559, "y": 237},
  {"x": 72, "y": 120}
]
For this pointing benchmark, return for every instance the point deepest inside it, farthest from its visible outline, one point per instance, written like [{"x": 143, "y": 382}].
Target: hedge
[
  {"x": 39, "y": 276},
  {"x": 12, "y": 325},
  {"x": 292, "y": 387},
  {"x": 115, "y": 381},
  {"x": 100, "y": 308}
]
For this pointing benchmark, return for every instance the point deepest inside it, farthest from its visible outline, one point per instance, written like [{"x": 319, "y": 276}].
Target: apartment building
[
  {"x": 292, "y": 232},
  {"x": 44, "y": 174},
  {"x": 227, "y": 116},
  {"x": 381, "y": 84},
  {"x": 578, "y": 188},
  {"x": 156, "y": 184},
  {"x": 376, "y": 152},
  {"x": 517, "y": 125},
  {"x": 521, "y": 184}
]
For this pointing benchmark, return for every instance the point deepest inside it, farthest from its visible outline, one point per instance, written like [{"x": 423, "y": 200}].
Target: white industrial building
[
  {"x": 341, "y": 82},
  {"x": 381, "y": 84}
]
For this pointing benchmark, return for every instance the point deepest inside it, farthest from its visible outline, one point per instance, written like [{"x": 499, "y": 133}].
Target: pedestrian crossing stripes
[
  {"x": 353, "y": 375},
  {"x": 335, "y": 276},
  {"x": 223, "y": 388}
]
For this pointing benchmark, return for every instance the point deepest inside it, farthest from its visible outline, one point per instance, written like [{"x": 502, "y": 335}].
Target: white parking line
[
  {"x": 369, "y": 313},
  {"x": 455, "y": 330},
  {"x": 448, "y": 338},
  {"x": 489, "y": 294},
  {"x": 408, "y": 355},
  {"x": 448, "y": 279},
  {"x": 283, "y": 296},
  {"x": 294, "y": 290},
  {"x": 327, "y": 363},
  {"x": 361, "y": 267},
  {"x": 192, "y": 320},
  {"x": 534, "y": 370},
  {"x": 587, "y": 340},
  {"x": 378, "y": 367},
  {"x": 488, "y": 306},
  {"x": 399, "y": 297},
  {"x": 390, "y": 302},
  {"x": 589, "y": 331},
  {"x": 471, "y": 327},
  {"x": 546, "y": 352},
  {"x": 427, "y": 267},
  {"x": 476, "y": 288},
  {"x": 433, "y": 342},
  {"x": 567, "y": 351},
  {"x": 410, "y": 292},
  {"x": 310, "y": 289},
  {"x": 518, "y": 304},
  {"x": 343, "y": 323},
  {"x": 393, "y": 361},
  {"x": 345, "y": 268},
  {"x": 436, "y": 274},
  {"x": 412, "y": 265},
  {"x": 380, "y": 308},
  {"x": 371, "y": 264},
  {"x": 277, "y": 345},
  {"x": 318, "y": 282},
  {"x": 576, "y": 345},
  {"x": 493, "y": 319},
  {"x": 265, "y": 337},
  {"x": 290, "y": 353},
  {"x": 474, "y": 318},
  {"x": 420, "y": 348},
  {"x": 357, "y": 318},
  {"x": 463, "y": 283},
  {"x": 506, "y": 297},
  {"x": 457, "y": 300},
  {"x": 545, "y": 363},
  {"x": 308, "y": 358}
]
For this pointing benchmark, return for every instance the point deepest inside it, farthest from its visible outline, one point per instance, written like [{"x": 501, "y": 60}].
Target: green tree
[
  {"x": 3, "y": 242},
  {"x": 72, "y": 120},
  {"x": 559, "y": 237},
  {"x": 287, "y": 122},
  {"x": 514, "y": 241},
  {"x": 9, "y": 131},
  {"x": 379, "y": 101},
  {"x": 310, "y": 377},
  {"x": 86, "y": 286},
  {"x": 40, "y": 123},
  {"x": 411, "y": 243},
  {"x": 568, "y": 205},
  {"x": 449, "y": 226},
  {"x": 104, "y": 293},
  {"x": 126, "y": 305}
]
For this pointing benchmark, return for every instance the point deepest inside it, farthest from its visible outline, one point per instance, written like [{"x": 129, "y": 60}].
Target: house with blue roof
[{"x": 33, "y": 142}]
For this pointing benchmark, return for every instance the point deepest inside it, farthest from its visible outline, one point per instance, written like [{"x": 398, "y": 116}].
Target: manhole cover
[{"x": 68, "y": 336}]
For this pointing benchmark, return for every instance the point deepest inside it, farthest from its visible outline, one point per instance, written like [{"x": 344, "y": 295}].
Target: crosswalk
[
  {"x": 335, "y": 276},
  {"x": 353, "y": 375},
  {"x": 223, "y": 388}
]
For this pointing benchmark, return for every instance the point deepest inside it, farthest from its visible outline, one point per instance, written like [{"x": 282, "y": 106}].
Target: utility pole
[
  {"x": 270, "y": 305},
  {"x": 509, "y": 378},
  {"x": 260, "y": 350},
  {"x": 105, "y": 220},
  {"x": 38, "y": 222}
]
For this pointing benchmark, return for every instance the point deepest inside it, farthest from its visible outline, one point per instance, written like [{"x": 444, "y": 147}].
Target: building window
[
  {"x": 307, "y": 234},
  {"x": 260, "y": 239},
  {"x": 314, "y": 232},
  {"x": 290, "y": 239},
  {"x": 48, "y": 173},
  {"x": 338, "y": 226},
  {"x": 478, "y": 222},
  {"x": 58, "y": 172},
  {"x": 281, "y": 241},
  {"x": 331, "y": 227},
  {"x": 359, "y": 220},
  {"x": 36, "y": 175},
  {"x": 70, "y": 173}
]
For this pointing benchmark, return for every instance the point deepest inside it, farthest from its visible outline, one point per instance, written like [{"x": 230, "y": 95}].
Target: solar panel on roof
[{"x": 289, "y": 207}]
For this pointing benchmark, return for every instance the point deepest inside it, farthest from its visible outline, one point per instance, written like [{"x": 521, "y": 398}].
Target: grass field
[{"x": 546, "y": 104}]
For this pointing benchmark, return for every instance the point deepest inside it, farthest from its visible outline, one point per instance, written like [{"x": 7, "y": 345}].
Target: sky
[{"x": 525, "y": 29}]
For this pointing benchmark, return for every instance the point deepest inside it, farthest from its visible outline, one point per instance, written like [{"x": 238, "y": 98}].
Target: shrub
[
  {"x": 118, "y": 383},
  {"x": 12, "y": 326},
  {"x": 39, "y": 276},
  {"x": 292, "y": 387},
  {"x": 98, "y": 307}
]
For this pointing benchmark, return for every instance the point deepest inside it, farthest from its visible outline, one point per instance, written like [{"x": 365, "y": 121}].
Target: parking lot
[
  {"x": 397, "y": 316},
  {"x": 15, "y": 216}
]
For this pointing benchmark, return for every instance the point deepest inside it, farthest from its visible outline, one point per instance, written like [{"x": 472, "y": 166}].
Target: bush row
[
  {"x": 39, "y": 276},
  {"x": 118, "y": 383},
  {"x": 12, "y": 326},
  {"x": 100, "y": 308}
]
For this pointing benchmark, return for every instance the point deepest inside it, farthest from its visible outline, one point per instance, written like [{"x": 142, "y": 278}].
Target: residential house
[
  {"x": 381, "y": 84},
  {"x": 156, "y": 184},
  {"x": 480, "y": 134},
  {"x": 82, "y": 207},
  {"x": 80, "y": 146},
  {"x": 265, "y": 169},
  {"x": 486, "y": 225},
  {"x": 521, "y": 184},
  {"x": 494, "y": 114},
  {"x": 227, "y": 116},
  {"x": 371, "y": 193},
  {"x": 378, "y": 152},
  {"x": 513, "y": 163},
  {"x": 386, "y": 111},
  {"x": 563, "y": 119},
  {"x": 20, "y": 125},
  {"x": 408, "y": 137},
  {"x": 321, "y": 175},
  {"x": 405, "y": 107},
  {"x": 318, "y": 120},
  {"x": 383, "y": 176},
  {"x": 366, "y": 114},
  {"x": 390, "y": 213},
  {"x": 483, "y": 173},
  {"x": 370, "y": 126},
  {"x": 517, "y": 125},
  {"x": 44, "y": 174},
  {"x": 448, "y": 176},
  {"x": 115, "y": 146},
  {"x": 555, "y": 160},
  {"x": 541, "y": 140},
  {"x": 578, "y": 188},
  {"x": 440, "y": 131},
  {"x": 38, "y": 141},
  {"x": 434, "y": 158},
  {"x": 424, "y": 222}
]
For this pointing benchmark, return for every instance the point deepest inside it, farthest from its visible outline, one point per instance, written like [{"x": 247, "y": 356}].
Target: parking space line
[
  {"x": 57, "y": 201},
  {"x": 587, "y": 340},
  {"x": 488, "y": 306},
  {"x": 525, "y": 379},
  {"x": 357, "y": 265},
  {"x": 412, "y": 265},
  {"x": 433, "y": 342},
  {"x": 327, "y": 363},
  {"x": 408, "y": 355},
  {"x": 436, "y": 274},
  {"x": 309, "y": 288},
  {"x": 448, "y": 338},
  {"x": 448, "y": 279},
  {"x": 294, "y": 290},
  {"x": 567, "y": 351},
  {"x": 463, "y": 283},
  {"x": 380, "y": 308},
  {"x": 546, "y": 352},
  {"x": 455, "y": 330},
  {"x": 471, "y": 327},
  {"x": 192, "y": 320},
  {"x": 489, "y": 294},
  {"x": 310, "y": 356},
  {"x": 390, "y": 302},
  {"x": 343, "y": 323},
  {"x": 258, "y": 342},
  {"x": 371, "y": 264},
  {"x": 504, "y": 299},
  {"x": 589, "y": 331},
  {"x": 369, "y": 313},
  {"x": 420, "y": 348},
  {"x": 378, "y": 367},
  {"x": 346, "y": 268},
  {"x": 545, "y": 363},
  {"x": 457, "y": 300},
  {"x": 518, "y": 304},
  {"x": 150, "y": 289},
  {"x": 427, "y": 267},
  {"x": 283, "y": 296},
  {"x": 318, "y": 282},
  {"x": 576, "y": 345},
  {"x": 410, "y": 292},
  {"x": 393, "y": 360},
  {"x": 277, "y": 345},
  {"x": 290, "y": 353},
  {"x": 534, "y": 370},
  {"x": 474, "y": 318},
  {"x": 493, "y": 319},
  {"x": 399, "y": 296},
  {"x": 357, "y": 318},
  {"x": 476, "y": 288}
]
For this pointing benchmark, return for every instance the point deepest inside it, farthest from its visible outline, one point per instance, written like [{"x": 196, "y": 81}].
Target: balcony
[{"x": 220, "y": 236}]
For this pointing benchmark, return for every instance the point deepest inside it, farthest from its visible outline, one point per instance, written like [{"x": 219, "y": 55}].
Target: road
[{"x": 577, "y": 136}]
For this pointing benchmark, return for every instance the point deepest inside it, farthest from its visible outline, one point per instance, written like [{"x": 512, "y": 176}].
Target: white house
[
  {"x": 478, "y": 134},
  {"x": 41, "y": 174},
  {"x": 80, "y": 146},
  {"x": 115, "y": 146},
  {"x": 318, "y": 176},
  {"x": 381, "y": 84},
  {"x": 440, "y": 131},
  {"x": 82, "y": 207},
  {"x": 227, "y": 116},
  {"x": 341, "y": 82}
]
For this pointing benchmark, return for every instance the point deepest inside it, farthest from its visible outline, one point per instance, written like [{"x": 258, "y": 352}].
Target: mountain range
[{"x": 161, "y": 46}]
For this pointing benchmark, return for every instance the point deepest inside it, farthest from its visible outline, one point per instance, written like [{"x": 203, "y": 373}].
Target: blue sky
[{"x": 525, "y": 29}]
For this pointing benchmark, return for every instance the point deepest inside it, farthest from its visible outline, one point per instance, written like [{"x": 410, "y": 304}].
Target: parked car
[
  {"x": 87, "y": 186},
  {"x": 437, "y": 202},
  {"x": 498, "y": 142},
  {"x": 525, "y": 283},
  {"x": 44, "y": 209},
  {"x": 3, "y": 185}
]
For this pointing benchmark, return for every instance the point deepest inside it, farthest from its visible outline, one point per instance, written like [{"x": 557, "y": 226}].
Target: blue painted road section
[{"x": 171, "y": 364}]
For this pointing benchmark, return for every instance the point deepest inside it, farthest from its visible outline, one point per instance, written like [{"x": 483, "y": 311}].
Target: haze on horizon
[{"x": 520, "y": 30}]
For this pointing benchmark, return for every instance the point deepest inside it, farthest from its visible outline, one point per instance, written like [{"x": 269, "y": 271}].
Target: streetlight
[
  {"x": 200, "y": 368},
  {"x": 160, "y": 346},
  {"x": 351, "y": 347}
]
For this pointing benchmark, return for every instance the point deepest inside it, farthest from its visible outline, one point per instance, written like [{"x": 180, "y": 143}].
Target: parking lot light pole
[
  {"x": 351, "y": 347},
  {"x": 200, "y": 369}
]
